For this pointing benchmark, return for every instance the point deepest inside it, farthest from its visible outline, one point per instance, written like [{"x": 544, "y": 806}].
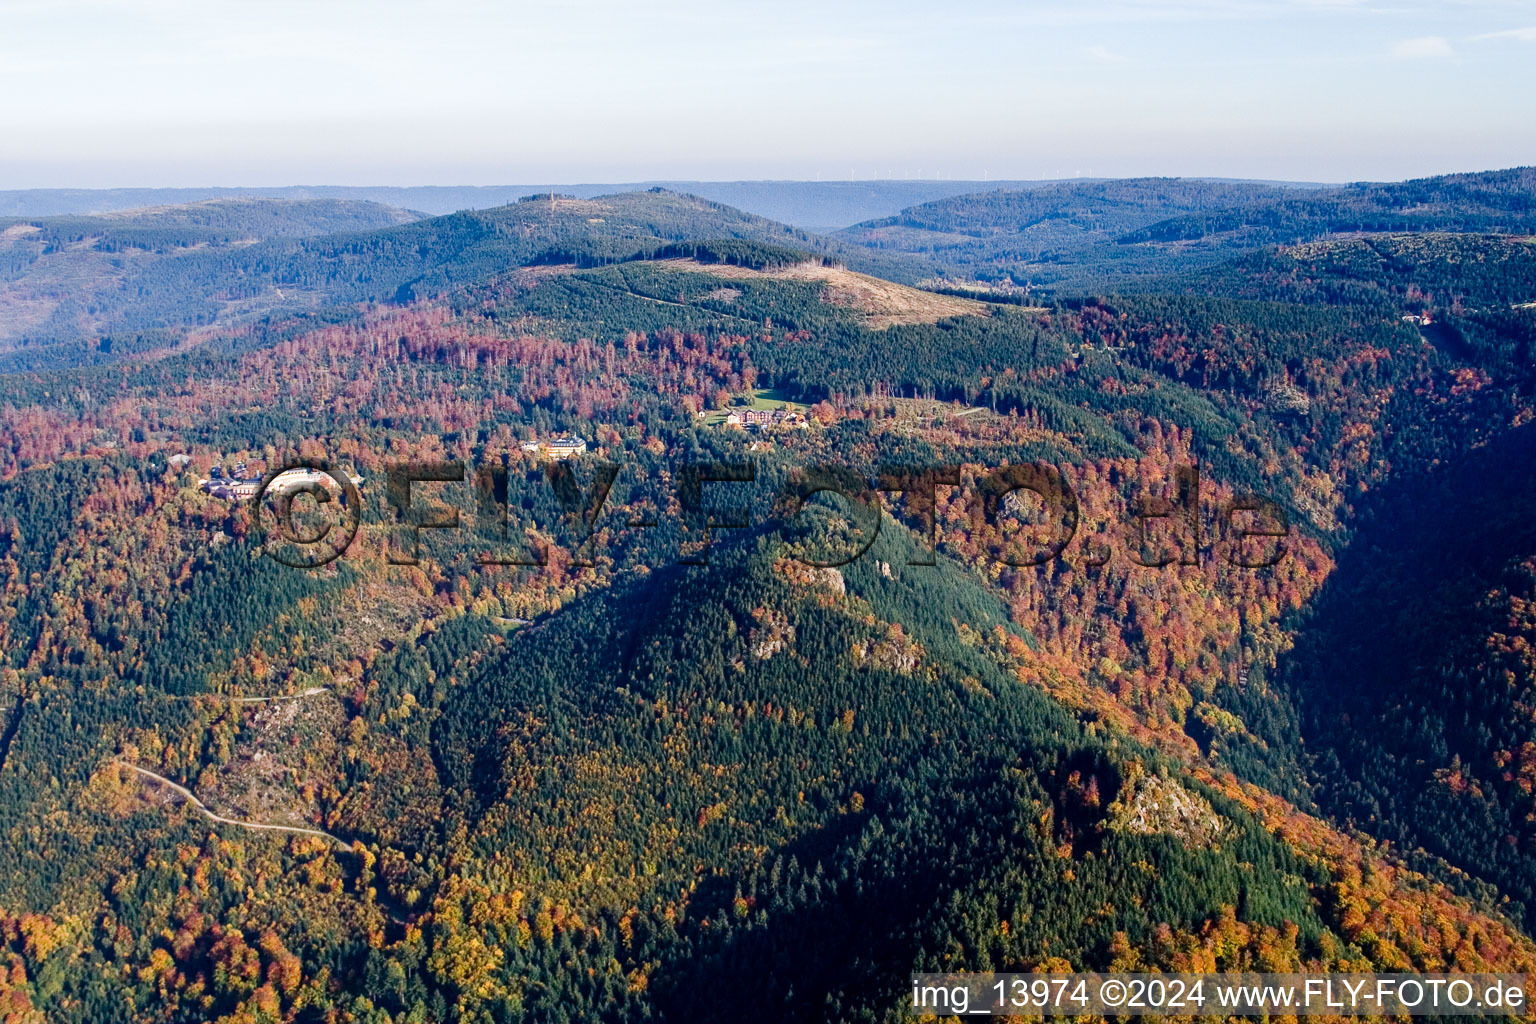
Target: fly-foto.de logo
[{"x": 311, "y": 514}]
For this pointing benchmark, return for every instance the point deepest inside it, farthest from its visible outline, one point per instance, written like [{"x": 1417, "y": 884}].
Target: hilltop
[{"x": 92, "y": 289}]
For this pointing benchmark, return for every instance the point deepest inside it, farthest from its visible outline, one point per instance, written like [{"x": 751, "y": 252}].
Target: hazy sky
[{"x": 266, "y": 92}]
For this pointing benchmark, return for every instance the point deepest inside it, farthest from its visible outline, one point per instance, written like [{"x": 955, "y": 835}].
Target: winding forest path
[
  {"x": 12, "y": 726},
  {"x": 187, "y": 795},
  {"x": 311, "y": 692}
]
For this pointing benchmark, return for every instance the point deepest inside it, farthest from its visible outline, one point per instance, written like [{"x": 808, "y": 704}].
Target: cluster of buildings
[
  {"x": 242, "y": 486},
  {"x": 236, "y": 486},
  {"x": 559, "y": 449},
  {"x": 1422, "y": 319},
  {"x": 765, "y": 419}
]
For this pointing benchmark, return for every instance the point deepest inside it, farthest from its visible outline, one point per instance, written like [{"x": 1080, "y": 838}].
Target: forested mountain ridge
[
  {"x": 1493, "y": 201},
  {"x": 820, "y": 206},
  {"x": 1063, "y": 213},
  {"x": 1026, "y": 235},
  {"x": 810, "y": 205},
  {"x": 96, "y": 289},
  {"x": 1091, "y": 235},
  {"x": 583, "y": 777},
  {"x": 215, "y": 221},
  {"x": 65, "y": 282}
]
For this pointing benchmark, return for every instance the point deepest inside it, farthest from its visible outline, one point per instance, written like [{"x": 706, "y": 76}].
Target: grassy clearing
[
  {"x": 877, "y": 303},
  {"x": 762, "y": 398}
]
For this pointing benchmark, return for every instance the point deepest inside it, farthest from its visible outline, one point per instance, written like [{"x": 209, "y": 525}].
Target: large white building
[{"x": 559, "y": 449}]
